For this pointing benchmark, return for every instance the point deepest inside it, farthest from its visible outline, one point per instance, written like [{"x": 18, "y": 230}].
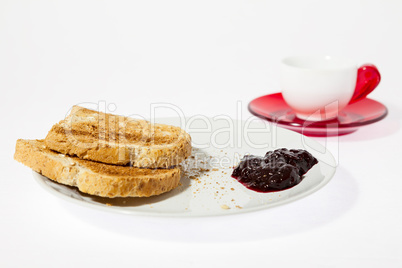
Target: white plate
[{"x": 212, "y": 191}]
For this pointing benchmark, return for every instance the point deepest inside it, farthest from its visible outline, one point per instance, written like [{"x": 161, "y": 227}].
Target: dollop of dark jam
[{"x": 277, "y": 170}]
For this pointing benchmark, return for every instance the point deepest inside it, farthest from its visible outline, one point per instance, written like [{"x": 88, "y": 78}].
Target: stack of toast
[{"x": 108, "y": 155}]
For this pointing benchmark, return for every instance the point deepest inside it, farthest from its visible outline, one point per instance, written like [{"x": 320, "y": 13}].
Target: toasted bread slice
[
  {"x": 118, "y": 140},
  {"x": 93, "y": 177}
]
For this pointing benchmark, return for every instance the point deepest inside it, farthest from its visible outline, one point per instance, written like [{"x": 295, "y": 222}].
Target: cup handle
[{"x": 368, "y": 78}]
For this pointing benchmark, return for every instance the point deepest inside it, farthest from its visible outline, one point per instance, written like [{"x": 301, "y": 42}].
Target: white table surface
[{"x": 203, "y": 57}]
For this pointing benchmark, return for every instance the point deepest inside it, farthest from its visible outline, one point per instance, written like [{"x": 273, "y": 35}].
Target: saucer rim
[{"x": 319, "y": 124}]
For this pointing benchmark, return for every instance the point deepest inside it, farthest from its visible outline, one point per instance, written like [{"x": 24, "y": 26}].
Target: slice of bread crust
[
  {"x": 95, "y": 178},
  {"x": 118, "y": 140}
]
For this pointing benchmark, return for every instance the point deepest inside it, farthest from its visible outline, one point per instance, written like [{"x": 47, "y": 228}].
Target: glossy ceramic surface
[
  {"x": 207, "y": 188},
  {"x": 274, "y": 109},
  {"x": 318, "y": 87}
]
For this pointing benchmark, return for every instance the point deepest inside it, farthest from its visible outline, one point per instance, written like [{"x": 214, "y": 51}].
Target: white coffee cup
[{"x": 318, "y": 87}]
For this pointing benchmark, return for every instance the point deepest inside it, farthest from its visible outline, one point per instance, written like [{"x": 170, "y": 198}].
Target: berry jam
[{"x": 277, "y": 170}]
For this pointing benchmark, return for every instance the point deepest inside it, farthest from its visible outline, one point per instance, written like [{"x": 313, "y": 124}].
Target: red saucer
[{"x": 273, "y": 108}]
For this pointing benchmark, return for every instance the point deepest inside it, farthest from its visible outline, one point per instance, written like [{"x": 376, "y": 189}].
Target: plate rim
[
  {"x": 40, "y": 179},
  {"x": 187, "y": 214},
  {"x": 354, "y": 125}
]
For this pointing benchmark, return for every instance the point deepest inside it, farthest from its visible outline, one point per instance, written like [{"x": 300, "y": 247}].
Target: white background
[{"x": 202, "y": 56}]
